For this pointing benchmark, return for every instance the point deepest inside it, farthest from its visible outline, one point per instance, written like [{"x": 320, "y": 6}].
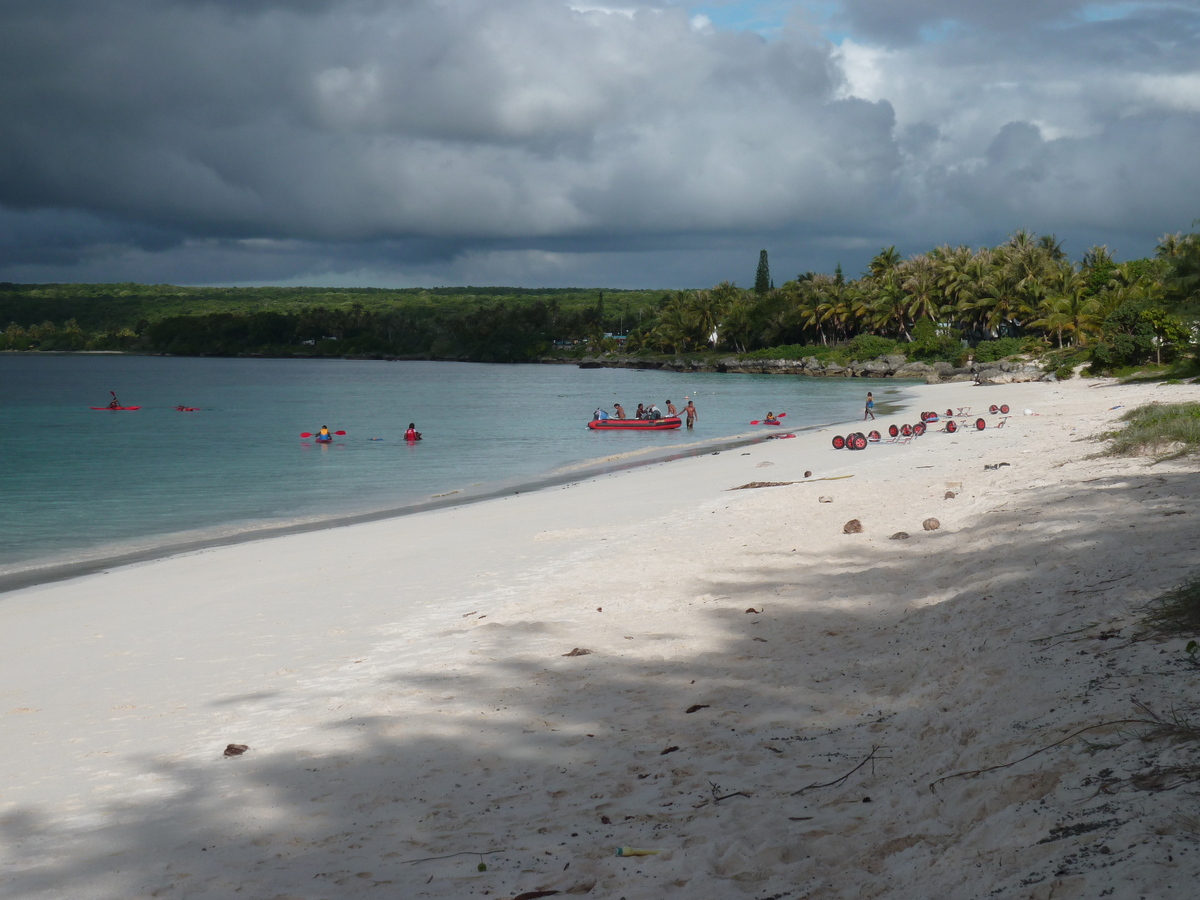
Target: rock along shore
[{"x": 999, "y": 372}]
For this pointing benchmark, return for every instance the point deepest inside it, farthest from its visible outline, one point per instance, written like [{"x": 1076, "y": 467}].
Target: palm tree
[
  {"x": 885, "y": 261},
  {"x": 887, "y": 309},
  {"x": 921, "y": 286},
  {"x": 1069, "y": 305}
]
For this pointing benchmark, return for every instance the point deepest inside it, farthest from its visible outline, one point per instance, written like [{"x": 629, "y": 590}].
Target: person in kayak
[
  {"x": 114, "y": 403},
  {"x": 770, "y": 419},
  {"x": 620, "y": 410},
  {"x": 412, "y": 434},
  {"x": 324, "y": 436}
]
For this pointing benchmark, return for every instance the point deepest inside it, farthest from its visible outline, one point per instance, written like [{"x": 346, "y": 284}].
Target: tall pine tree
[{"x": 762, "y": 278}]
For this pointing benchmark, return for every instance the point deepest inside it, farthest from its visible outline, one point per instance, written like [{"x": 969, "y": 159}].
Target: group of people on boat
[{"x": 651, "y": 412}]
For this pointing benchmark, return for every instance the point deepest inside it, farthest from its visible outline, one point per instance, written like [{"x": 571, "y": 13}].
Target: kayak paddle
[
  {"x": 759, "y": 421},
  {"x": 309, "y": 433}
]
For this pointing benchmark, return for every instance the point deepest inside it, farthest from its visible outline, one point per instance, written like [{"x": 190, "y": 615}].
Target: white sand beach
[{"x": 769, "y": 703}]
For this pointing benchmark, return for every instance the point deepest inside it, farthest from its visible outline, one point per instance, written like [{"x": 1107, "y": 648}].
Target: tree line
[
  {"x": 1024, "y": 289},
  {"x": 1022, "y": 294}
]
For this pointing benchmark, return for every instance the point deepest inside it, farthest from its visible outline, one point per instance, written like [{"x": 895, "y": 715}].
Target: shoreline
[
  {"x": 23, "y": 575},
  {"x": 885, "y": 368},
  {"x": 646, "y": 658}
]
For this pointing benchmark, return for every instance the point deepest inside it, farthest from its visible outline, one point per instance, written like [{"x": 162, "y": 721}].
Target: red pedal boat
[{"x": 635, "y": 424}]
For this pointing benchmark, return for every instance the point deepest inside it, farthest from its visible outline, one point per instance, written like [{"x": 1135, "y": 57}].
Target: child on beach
[{"x": 870, "y": 411}]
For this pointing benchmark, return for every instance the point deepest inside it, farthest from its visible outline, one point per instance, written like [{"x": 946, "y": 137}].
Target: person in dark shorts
[
  {"x": 689, "y": 411},
  {"x": 870, "y": 410}
]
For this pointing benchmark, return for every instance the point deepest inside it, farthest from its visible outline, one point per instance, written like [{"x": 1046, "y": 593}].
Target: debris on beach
[
  {"x": 236, "y": 749},
  {"x": 852, "y": 527},
  {"x": 696, "y": 707},
  {"x": 579, "y": 651},
  {"x": 950, "y": 495},
  {"x": 899, "y": 536},
  {"x": 824, "y": 499},
  {"x": 931, "y": 524}
]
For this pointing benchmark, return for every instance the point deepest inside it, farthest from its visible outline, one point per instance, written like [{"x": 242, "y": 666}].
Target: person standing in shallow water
[
  {"x": 690, "y": 412},
  {"x": 671, "y": 410},
  {"x": 870, "y": 410}
]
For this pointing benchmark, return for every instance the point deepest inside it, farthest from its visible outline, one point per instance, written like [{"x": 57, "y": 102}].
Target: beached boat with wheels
[{"x": 635, "y": 424}]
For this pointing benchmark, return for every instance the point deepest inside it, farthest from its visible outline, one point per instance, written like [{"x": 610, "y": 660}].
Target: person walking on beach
[
  {"x": 870, "y": 410},
  {"x": 620, "y": 410},
  {"x": 671, "y": 410},
  {"x": 690, "y": 412}
]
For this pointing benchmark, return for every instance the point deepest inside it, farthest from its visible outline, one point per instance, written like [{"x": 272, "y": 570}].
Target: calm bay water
[{"x": 76, "y": 482}]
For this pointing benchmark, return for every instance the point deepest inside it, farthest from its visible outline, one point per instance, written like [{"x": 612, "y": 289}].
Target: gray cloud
[{"x": 526, "y": 141}]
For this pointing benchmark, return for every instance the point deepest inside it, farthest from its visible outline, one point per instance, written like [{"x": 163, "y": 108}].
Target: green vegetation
[
  {"x": 762, "y": 276},
  {"x": 1177, "y": 611},
  {"x": 949, "y": 304},
  {"x": 990, "y": 351},
  {"x": 1168, "y": 430}
]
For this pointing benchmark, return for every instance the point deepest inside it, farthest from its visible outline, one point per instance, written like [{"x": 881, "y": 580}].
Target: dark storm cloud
[
  {"x": 904, "y": 21},
  {"x": 527, "y": 141}
]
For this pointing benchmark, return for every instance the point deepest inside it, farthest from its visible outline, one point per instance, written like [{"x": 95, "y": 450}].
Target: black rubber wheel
[
  {"x": 1004, "y": 408},
  {"x": 949, "y": 413},
  {"x": 906, "y": 430},
  {"x": 919, "y": 429},
  {"x": 893, "y": 430},
  {"x": 951, "y": 427},
  {"x": 838, "y": 442},
  {"x": 873, "y": 436},
  {"x": 993, "y": 409},
  {"x": 980, "y": 424},
  {"x": 860, "y": 442}
]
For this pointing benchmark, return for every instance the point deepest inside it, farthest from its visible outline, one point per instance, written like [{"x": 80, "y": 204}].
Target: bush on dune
[{"x": 1167, "y": 430}]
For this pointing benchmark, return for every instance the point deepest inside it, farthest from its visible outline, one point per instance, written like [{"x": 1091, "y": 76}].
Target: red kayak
[
  {"x": 116, "y": 407},
  {"x": 635, "y": 424}
]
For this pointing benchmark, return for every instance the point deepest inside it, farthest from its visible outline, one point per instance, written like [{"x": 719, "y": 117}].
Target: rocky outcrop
[{"x": 894, "y": 366}]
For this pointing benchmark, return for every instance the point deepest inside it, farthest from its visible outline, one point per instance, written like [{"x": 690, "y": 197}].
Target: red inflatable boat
[{"x": 635, "y": 424}]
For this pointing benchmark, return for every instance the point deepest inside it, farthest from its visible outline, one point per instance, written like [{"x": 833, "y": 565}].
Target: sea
[{"x": 85, "y": 486}]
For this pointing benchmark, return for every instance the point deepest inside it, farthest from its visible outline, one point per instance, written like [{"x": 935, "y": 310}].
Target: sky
[{"x": 559, "y": 143}]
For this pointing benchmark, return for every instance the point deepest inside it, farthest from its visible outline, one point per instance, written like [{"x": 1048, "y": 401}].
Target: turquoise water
[{"x": 77, "y": 482}]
